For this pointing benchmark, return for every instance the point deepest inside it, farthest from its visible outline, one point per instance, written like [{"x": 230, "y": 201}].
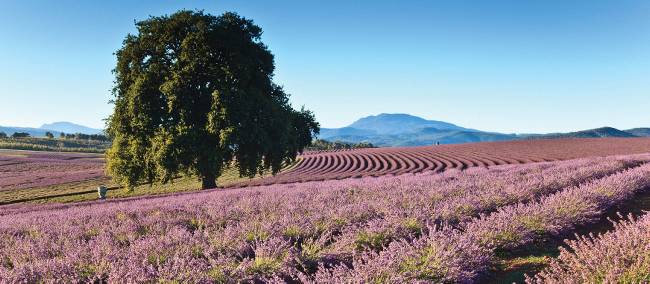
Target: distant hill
[
  {"x": 346, "y": 131},
  {"x": 392, "y": 130},
  {"x": 641, "y": 132},
  {"x": 386, "y": 130},
  {"x": 56, "y": 128},
  {"x": 591, "y": 133},
  {"x": 397, "y": 123},
  {"x": 34, "y": 132},
  {"x": 69, "y": 127},
  {"x": 408, "y": 130}
]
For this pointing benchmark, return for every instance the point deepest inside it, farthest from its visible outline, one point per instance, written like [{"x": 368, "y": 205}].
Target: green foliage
[
  {"x": 158, "y": 258},
  {"x": 7, "y": 263},
  {"x": 256, "y": 235},
  {"x": 20, "y": 135},
  {"x": 426, "y": 265},
  {"x": 81, "y": 136},
  {"x": 413, "y": 226},
  {"x": 195, "y": 224},
  {"x": 293, "y": 232},
  {"x": 265, "y": 265},
  {"x": 194, "y": 94},
  {"x": 86, "y": 271},
  {"x": 49, "y": 135},
  {"x": 371, "y": 240},
  {"x": 3, "y": 135},
  {"x": 320, "y": 144}
]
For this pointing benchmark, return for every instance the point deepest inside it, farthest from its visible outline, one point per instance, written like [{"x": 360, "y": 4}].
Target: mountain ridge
[
  {"x": 55, "y": 128},
  {"x": 69, "y": 127},
  {"x": 394, "y": 123},
  {"x": 385, "y": 129},
  {"x": 408, "y": 130}
]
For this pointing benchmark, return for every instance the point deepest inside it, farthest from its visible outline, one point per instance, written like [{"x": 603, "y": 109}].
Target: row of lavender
[
  {"x": 385, "y": 228},
  {"x": 464, "y": 254},
  {"x": 622, "y": 255}
]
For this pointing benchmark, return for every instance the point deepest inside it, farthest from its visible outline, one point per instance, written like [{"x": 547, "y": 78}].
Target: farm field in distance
[
  {"x": 41, "y": 177},
  {"x": 326, "y": 165},
  {"x": 27, "y": 176}
]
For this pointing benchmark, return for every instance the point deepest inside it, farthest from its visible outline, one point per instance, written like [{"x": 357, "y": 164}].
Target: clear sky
[{"x": 509, "y": 66}]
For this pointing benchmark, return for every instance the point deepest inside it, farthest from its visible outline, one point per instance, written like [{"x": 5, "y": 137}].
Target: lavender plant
[{"x": 619, "y": 256}]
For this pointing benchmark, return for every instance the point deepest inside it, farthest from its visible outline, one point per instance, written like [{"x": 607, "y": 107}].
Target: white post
[{"x": 101, "y": 190}]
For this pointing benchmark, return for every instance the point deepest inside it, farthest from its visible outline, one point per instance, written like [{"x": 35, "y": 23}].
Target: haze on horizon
[{"x": 507, "y": 66}]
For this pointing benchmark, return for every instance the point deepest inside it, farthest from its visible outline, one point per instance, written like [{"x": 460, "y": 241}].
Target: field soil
[{"x": 326, "y": 165}]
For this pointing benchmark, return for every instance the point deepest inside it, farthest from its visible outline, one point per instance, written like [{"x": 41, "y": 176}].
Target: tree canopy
[
  {"x": 20, "y": 135},
  {"x": 195, "y": 93}
]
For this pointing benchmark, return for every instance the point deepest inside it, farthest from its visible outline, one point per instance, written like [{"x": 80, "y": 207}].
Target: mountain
[
  {"x": 641, "y": 132},
  {"x": 387, "y": 128},
  {"x": 396, "y": 123},
  {"x": 346, "y": 131},
  {"x": 69, "y": 127},
  {"x": 408, "y": 130},
  {"x": 590, "y": 133},
  {"x": 56, "y": 128},
  {"x": 34, "y": 132}
]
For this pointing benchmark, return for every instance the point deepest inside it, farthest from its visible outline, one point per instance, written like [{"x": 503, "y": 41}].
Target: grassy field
[{"x": 86, "y": 189}]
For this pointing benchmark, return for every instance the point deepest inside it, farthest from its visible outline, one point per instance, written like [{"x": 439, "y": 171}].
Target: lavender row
[
  {"x": 619, "y": 256},
  {"x": 458, "y": 199},
  {"x": 464, "y": 255},
  {"x": 281, "y": 232},
  {"x": 518, "y": 225}
]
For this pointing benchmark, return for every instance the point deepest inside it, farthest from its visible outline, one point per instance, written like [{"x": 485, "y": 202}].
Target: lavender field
[
  {"x": 314, "y": 142},
  {"x": 28, "y": 169},
  {"x": 430, "y": 227}
]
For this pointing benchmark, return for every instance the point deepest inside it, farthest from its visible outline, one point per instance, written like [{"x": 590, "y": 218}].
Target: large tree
[{"x": 193, "y": 94}]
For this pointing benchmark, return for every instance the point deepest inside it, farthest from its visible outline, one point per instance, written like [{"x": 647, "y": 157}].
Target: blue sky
[{"x": 509, "y": 66}]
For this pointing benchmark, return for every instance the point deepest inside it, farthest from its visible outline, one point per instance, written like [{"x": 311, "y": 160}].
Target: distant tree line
[
  {"x": 319, "y": 145},
  {"x": 50, "y": 135},
  {"x": 15, "y": 135},
  {"x": 81, "y": 136}
]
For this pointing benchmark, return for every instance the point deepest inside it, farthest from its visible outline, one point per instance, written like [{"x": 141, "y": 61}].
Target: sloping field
[
  {"x": 451, "y": 227},
  {"x": 28, "y": 169},
  {"x": 23, "y": 172},
  {"x": 317, "y": 166},
  {"x": 29, "y": 176},
  {"x": 33, "y": 176}
]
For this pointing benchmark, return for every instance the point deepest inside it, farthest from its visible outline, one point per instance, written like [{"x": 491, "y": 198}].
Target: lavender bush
[
  {"x": 619, "y": 256},
  {"x": 517, "y": 225}
]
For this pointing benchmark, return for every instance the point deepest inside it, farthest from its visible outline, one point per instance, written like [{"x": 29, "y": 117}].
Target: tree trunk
[{"x": 208, "y": 181}]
